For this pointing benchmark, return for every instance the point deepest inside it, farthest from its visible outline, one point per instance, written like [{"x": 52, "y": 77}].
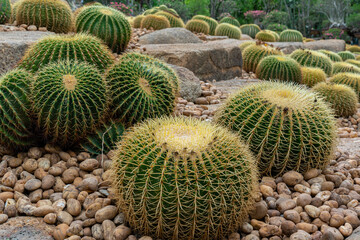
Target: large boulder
[
  {"x": 334, "y": 45},
  {"x": 13, "y": 46},
  {"x": 220, "y": 60},
  {"x": 169, "y": 36}
]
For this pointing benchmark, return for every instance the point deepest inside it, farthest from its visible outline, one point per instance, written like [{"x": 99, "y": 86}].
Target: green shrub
[
  {"x": 225, "y": 29},
  {"x": 137, "y": 21},
  {"x": 336, "y": 33},
  {"x": 349, "y": 79},
  {"x": 345, "y": 55},
  {"x": 276, "y": 27},
  {"x": 353, "y": 21},
  {"x": 174, "y": 20},
  {"x": 345, "y": 67},
  {"x": 155, "y": 22},
  {"x": 265, "y": 36},
  {"x": 250, "y": 29},
  {"x": 309, "y": 58},
  {"x": 230, "y": 20},
  {"x": 311, "y": 76},
  {"x": 333, "y": 56},
  {"x": 212, "y": 22},
  {"x": 291, "y": 35},
  {"x": 198, "y": 26},
  {"x": 5, "y": 11},
  {"x": 194, "y": 166}
]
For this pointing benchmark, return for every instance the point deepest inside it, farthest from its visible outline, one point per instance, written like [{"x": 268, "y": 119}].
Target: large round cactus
[
  {"x": 254, "y": 53},
  {"x": 332, "y": 55},
  {"x": 15, "y": 107},
  {"x": 174, "y": 20},
  {"x": 353, "y": 48},
  {"x": 290, "y": 35},
  {"x": 250, "y": 29},
  {"x": 349, "y": 79},
  {"x": 339, "y": 67},
  {"x": 345, "y": 55},
  {"x": 342, "y": 98},
  {"x": 182, "y": 178},
  {"x": 279, "y": 68},
  {"x": 226, "y": 29},
  {"x": 70, "y": 101},
  {"x": 212, "y": 22},
  {"x": 78, "y": 10},
  {"x": 198, "y": 26},
  {"x": 353, "y": 62},
  {"x": 287, "y": 126},
  {"x": 5, "y": 11},
  {"x": 311, "y": 76},
  {"x": 14, "y": 8},
  {"x": 140, "y": 90},
  {"x": 155, "y": 22},
  {"x": 265, "y": 36},
  {"x": 80, "y": 47},
  {"x": 107, "y": 24},
  {"x": 309, "y": 58},
  {"x": 246, "y": 44},
  {"x": 230, "y": 20},
  {"x": 137, "y": 21}
]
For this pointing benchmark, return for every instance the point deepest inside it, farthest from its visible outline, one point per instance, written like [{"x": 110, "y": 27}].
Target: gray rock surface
[
  {"x": 245, "y": 37},
  {"x": 208, "y": 61},
  {"x": 334, "y": 45},
  {"x": 13, "y": 46},
  {"x": 169, "y": 36}
]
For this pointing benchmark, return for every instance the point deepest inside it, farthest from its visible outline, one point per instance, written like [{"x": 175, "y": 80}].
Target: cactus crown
[
  {"x": 290, "y": 35},
  {"x": 226, "y": 29},
  {"x": 333, "y": 56},
  {"x": 250, "y": 29},
  {"x": 349, "y": 79},
  {"x": 212, "y": 22},
  {"x": 345, "y": 55},
  {"x": 174, "y": 20},
  {"x": 230, "y": 20},
  {"x": 311, "y": 76},
  {"x": 198, "y": 26},
  {"x": 345, "y": 67},
  {"x": 309, "y": 58},
  {"x": 5, "y": 11},
  {"x": 157, "y": 22},
  {"x": 265, "y": 36}
]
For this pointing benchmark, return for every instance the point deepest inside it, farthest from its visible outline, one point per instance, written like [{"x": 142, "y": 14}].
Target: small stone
[
  {"x": 64, "y": 217},
  {"x": 108, "y": 212},
  {"x": 346, "y": 230},
  {"x": 89, "y": 165},
  {"x": 300, "y": 235},
  {"x": 69, "y": 175},
  {"x": 331, "y": 233},
  {"x": 312, "y": 173},
  {"x": 60, "y": 231},
  {"x": 43, "y": 210},
  {"x": 6, "y": 195},
  {"x": 292, "y": 215},
  {"x": 36, "y": 195},
  {"x": 353, "y": 220},
  {"x": 337, "y": 220},
  {"x": 266, "y": 191},
  {"x": 284, "y": 204},
  {"x": 246, "y": 228},
  {"x": 269, "y": 230},
  {"x": 312, "y": 211},
  {"x": 108, "y": 228},
  {"x": 97, "y": 232},
  {"x": 50, "y": 218},
  {"x": 288, "y": 228},
  {"x": 121, "y": 232},
  {"x": 89, "y": 184},
  {"x": 70, "y": 191},
  {"x": 73, "y": 207},
  {"x": 48, "y": 182},
  {"x": 327, "y": 186},
  {"x": 292, "y": 178},
  {"x": 32, "y": 184},
  {"x": 64, "y": 156},
  {"x": 325, "y": 216},
  {"x": 15, "y": 162},
  {"x": 307, "y": 227},
  {"x": 303, "y": 199},
  {"x": 259, "y": 211},
  {"x": 44, "y": 163},
  {"x": 30, "y": 165},
  {"x": 34, "y": 152},
  {"x": 3, "y": 218}
]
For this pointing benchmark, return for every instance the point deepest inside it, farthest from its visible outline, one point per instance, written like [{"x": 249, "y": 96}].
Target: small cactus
[
  {"x": 212, "y": 22},
  {"x": 339, "y": 67},
  {"x": 353, "y": 62},
  {"x": 174, "y": 20},
  {"x": 311, "y": 76},
  {"x": 353, "y": 48},
  {"x": 309, "y": 58},
  {"x": 155, "y": 22},
  {"x": 265, "y": 36},
  {"x": 246, "y": 44},
  {"x": 226, "y": 29},
  {"x": 230, "y": 20},
  {"x": 290, "y": 35},
  {"x": 349, "y": 79},
  {"x": 198, "y": 26},
  {"x": 342, "y": 98},
  {"x": 137, "y": 21},
  {"x": 5, "y": 11},
  {"x": 345, "y": 55},
  {"x": 250, "y": 29},
  {"x": 333, "y": 56}
]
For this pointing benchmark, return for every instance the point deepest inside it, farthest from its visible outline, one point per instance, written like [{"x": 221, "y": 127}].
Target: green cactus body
[
  {"x": 311, "y": 76},
  {"x": 198, "y": 26},
  {"x": 212, "y": 22},
  {"x": 358, "y": 58},
  {"x": 349, "y": 79},
  {"x": 342, "y": 98},
  {"x": 340, "y": 67},
  {"x": 345, "y": 55},
  {"x": 254, "y": 53},
  {"x": 353, "y": 62},
  {"x": 265, "y": 36},
  {"x": 15, "y": 107},
  {"x": 174, "y": 20},
  {"x": 137, "y": 21},
  {"x": 275, "y": 34},
  {"x": 55, "y": 15},
  {"x": 155, "y": 22},
  {"x": 14, "y": 8},
  {"x": 5, "y": 11},
  {"x": 286, "y": 126},
  {"x": 140, "y": 89},
  {"x": 230, "y": 20},
  {"x": 170, "y": 10},
  {"x": 226, "y": 29},
  {"x": 78, "y": 10},
  {"x": 354, "y": 48},
  {"x": 70, "y": 101},
  {"x": 104, "y": 139},
  {"x": 152, "y": 11},
  {"x": 309, "y": 58},
  {"x": 79, "y": 47},
  {"x": 333, "y": 56},
  {"x": 279, "y": 68},
  {"x": 183, "y": 178},
  {"x": 107, "y": 24},
  {"x": 250, "y": 29},
  {"x": 163, "y": 7},
  {"x": 246, "y": 44},
  {"x": 290, "y": 35}
]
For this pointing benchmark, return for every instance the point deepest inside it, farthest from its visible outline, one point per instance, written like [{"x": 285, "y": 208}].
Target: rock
[
  {"x": 312, "y": 211},
  {"x": 89, "y": 184},
  {"x": 9, "y": 179},
  {"x": 47, "y": 182},
  {"x": 245, "y": 37},
  {"x": 43, "y": 210},
  {"x": 303, "y": 199},
  {"x": 34, "y": 152},
  {"x": 251, "y": 237},
  {"x": 355, "y": 234},
  {"x": 6, "y": 195},
  {"x": 307, "y": 227},
  {"x": 121, "y": 232},
  {"x": 69, "y": 175},
  {"x": 208, "y": 61},
  {"x": 73, "y": 207},
  {"x": 292, "y": 215},
  {"x": 300, "y": 235},
  {"x": 64, "y": 217},
  {"x": 32, "y": 184},
  {"x": 332, "y": 233},
  {"x": 312, "y": 173},
  {"x": 292, "y": 178},
  {"x": 3, "y": 218},
  {"x": 333, "y": 45},
  {"x": 50, "y": 218},
  {"x": 288, "y": 228},
  {"x": 30, "y": 165},
  {"x": 97, "y": 232},
  {"x": 284, "y": 204},
  {"x": 337, "y": 220},
  {"x": 60, "y": 231},
  {"x": 346, "y": 230},
  {"x": 269, "y": 230},
  {"x": 169, "y": 36},
  {"x": 108, "y": 228},
  {"x": 266, "y": 191},
  {"x": 89, "y": 165},
  {"x": 353, "y": 220},
  {"x": 32, "y": 28},
  {"x": 259, "y": 210},
  {"x": 108, "y": 212}
]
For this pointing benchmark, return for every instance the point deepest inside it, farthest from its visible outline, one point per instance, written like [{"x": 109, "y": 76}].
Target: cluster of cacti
[
  {"x": 345, "y": 55},
  {"x": 246, "y": 44},
  {"x": 15, "y": 107},
  {"x": 107, "y": 24},
  {"x": 104, "y": 139},
  {"x": 230, "y": 20},
  {"x": 332, "y": 55},
  {"x": 265, "y": 36},
  {"x": 155, "y": 22},
  {"x": 5, "y": 11},
  {"x": 349, "y": 79},
  {"x": 140, "y": 89},
  {"x": 340, "y": 67},
  {"x": 226, "y": 29},
  {"x": 353, "y": 62},
  {"x": 309, "y": 58},
  {"x": 287, "y": 126},
  {"x": 254, "y": 53},
  {"x": 291, "y": 35},
  {"x": 137, "y": 21},
  {"x": 174, "y": 20},
  {"x": 212, "y": 22},
  {"x": 279, "y": 68},
  {"x": 202, "y": 179},
  {"x": 342, "y": 98},
  {"x": 55, "y": 15},
  {"x": 70, "y": 101},
  {"x": 198, "y": 26},
  {"x": 80, "y": 47},
  {"x": 311, "y": 76},
  {"x": 250, "y": 29},
  {"x": 353, "y": 48}
]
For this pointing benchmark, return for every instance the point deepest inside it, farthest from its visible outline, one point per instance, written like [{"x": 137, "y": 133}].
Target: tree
[{"x": 335, "y": 10}]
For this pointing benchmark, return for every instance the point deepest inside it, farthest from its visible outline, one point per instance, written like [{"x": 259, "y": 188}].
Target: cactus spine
[
  {"x": 212, "y": 22},
  {"x": 333, "y": 56},
  {"x": 5, "y": 11},
  {"x": 349, "y": 79},
  {"x": 345, "y": 55},
  {"x": 230, "y": 20},
  {"x": 308, "y": 58},
  {"x": 198, "y": 26},
  {"x": 290, "y": 35},
  {"x": 225, "y": 29},
  {"x": 174, "y": 20},
  {"x": 156, "y": 22},
  {"x": 250, "y": 29},
  {"x": 345, "y": 67},
  {"x": 311, "y": 76}
]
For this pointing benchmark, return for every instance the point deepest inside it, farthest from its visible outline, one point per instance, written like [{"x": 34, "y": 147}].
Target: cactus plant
[
  {"x": 353, "y": 62},
  {"x": 174, "y": 20},
  {"x": 80, "y": 47},
  {"x": 254, "y": 53},
  {"x": 104, "y": 139},
  {"x": 280, "y": 68},
  {"x": 78, "y": 10},
  {"x": 15, "y": 107},
  {"x": 345, "y": 55},
  {"x": 332, "y": 55},
  {"x": 275, "y": 34},
  {"x": 353, "y": 48},
  {"x": 290, "y": 35},
  {"x": 198, "y": 26},
  {"x": 230, "y": 20},
  {"x": 339, "y": 67},
  {"x": 287, "y": 126},
  {"x": 226, "y": 29},
  {"x": 265, "y": 36},
  {"x": 163, "y": 7},
  {"x": 349, "y": 79},
  {"x": 311, "y": 76},
  {"x": 357, "y": 57},
  {"x": 309, "y": 58},
  {"x": 14, "y": 8},
  {"x": 156, "y": 22},
  {"x": 342, "y": 98},
  {"x": 137, "y": 21},
  {"x": 212, "y": 22},
  {"x": 194, "y": 166},
  {"x": 246, "y": 44},
  {"x": 250, "y": 29},
  {"x": 152, "y": 11},
  {"x": 107, "y": 24},
  {"x": 5, "y": 11},
  {"x": 70, "y": 101},
  {"x": 140, "y": 89}
]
